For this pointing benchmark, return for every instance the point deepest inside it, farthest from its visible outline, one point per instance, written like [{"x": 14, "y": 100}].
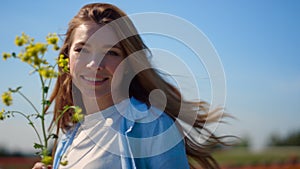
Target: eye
[
  {"x": 80, "y": 49},
  {"x": 112, "y": 53}
]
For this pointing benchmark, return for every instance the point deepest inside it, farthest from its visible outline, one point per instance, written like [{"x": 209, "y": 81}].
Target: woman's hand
[{"x": 40, "y": 165}]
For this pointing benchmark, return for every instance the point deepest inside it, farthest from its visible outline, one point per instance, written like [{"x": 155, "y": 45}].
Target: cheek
[
  {"x": 72, "y": 66},
  {"x": 118, "y": 72},
  {"x": 115, "y": 65},
  {"x": 75, "y": 66}
]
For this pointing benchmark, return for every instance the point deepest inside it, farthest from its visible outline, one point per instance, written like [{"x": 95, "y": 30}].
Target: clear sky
[{"x": 257, "y": 41}]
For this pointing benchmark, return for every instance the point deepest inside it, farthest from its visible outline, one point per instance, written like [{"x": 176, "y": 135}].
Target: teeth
[{"x": 94, "y": 79}]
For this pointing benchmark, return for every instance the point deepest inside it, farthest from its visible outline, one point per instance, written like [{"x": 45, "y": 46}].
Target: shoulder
[
  {"x": 155, "y": 129},
  {"x": 155, "y": 139},
  {"x": 149, "y": 121}
]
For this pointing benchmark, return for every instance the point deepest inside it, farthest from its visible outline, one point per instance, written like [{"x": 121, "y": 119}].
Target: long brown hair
[{"x": 140, "y": 87}]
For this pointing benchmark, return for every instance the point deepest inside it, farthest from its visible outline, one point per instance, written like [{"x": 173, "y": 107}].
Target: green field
[{"x": 242, "y": 156}]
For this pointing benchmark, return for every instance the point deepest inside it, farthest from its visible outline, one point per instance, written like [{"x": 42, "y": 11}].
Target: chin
[{"x": 95, "y": 94}]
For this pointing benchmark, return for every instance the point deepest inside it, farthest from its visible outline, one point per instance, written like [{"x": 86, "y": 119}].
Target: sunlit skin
[{"x": 93, "y": 61}]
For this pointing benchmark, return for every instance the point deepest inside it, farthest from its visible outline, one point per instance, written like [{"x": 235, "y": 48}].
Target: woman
[{"x": 127, "y": 123}]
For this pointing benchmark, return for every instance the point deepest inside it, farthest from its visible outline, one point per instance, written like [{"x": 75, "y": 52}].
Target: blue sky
[{"x": 257, "y": 41}]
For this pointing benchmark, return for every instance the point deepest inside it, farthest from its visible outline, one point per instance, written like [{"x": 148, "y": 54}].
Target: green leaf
[
  {"x": 66, "y": 107},
  {"x": 46, "y": 102},
  {"x": 40, "y": 116},
  {"x": 38, "y": 146},
  {"x": 14, "y": 55},
  {"x": 15, "y": 90},
  {"x": 45, "y": 152},
  {"x": 55, "y": 136},
  {"x": 46, "y": 89}
]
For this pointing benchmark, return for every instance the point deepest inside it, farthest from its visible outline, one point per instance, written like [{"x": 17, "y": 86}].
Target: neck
[{"x": 93, "y": 105}]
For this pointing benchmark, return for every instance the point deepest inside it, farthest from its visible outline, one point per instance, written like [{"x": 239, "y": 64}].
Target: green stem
[
  {"x": 46, "y": 96},
  {"x": 35, "y": 109},
  {"x": 30, "y": 122},
  {"x": 50, "y": 130},
  {"x": 43, "y": 113},
  {"x": 49, "y": 84},
  {"x": 58, "y": 118}
]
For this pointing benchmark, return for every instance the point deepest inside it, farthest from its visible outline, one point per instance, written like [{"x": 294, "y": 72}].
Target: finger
[{"x": 39, "y": 165}]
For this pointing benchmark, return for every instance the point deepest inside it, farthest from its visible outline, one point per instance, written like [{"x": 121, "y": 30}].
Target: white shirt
[
  {"x": 96, "y": 143},
  {"x": 138, "y": 137}
]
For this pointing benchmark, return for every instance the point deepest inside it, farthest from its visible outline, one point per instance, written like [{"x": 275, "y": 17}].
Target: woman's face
[{"x": 94, "y": 57}]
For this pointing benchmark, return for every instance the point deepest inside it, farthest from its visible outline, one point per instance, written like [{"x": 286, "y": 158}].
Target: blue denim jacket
[{"x": 148, "y": 138}]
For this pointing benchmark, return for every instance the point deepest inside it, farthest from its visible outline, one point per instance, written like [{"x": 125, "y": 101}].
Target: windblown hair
[{"x": 192, "y": 113}]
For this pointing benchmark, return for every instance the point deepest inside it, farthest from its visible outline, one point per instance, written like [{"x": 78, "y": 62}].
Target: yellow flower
[
  {"x": 64, "y": 163},
  {"x": 47, "y": 160},
  {"x": 25, "y": 58},
  {"x": 6, "y": 55},
  {"x": 77, "y": 109},
  {"x": 41, "y": 48},
  {"x": 63, "y": 63},
  {"x": 47, "y": 72},
  {"x": 56, "y": 47},
  {"x": 52, "y": 39},
  {"x": 37, "y": 61},
  {"x": 22, "y": 40},
  {"x": 7, "y": 98},
  {"x": 77, "y": 116},
  {"x": 2, "y": 117},
  {"x": 33, "y": 50}
]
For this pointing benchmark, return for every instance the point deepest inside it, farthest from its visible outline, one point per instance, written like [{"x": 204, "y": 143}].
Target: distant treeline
[
  {"x": 275, "y": 140},
  {"x": 4, "y": 152},
  {"x": 292, "y": 139}
]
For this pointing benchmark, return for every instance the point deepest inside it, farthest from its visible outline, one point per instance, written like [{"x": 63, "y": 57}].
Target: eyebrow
[
  {"x": 107, "y": 46},
  {"x": 82, "y": 44},
  {"x": 116, "y": 47}
]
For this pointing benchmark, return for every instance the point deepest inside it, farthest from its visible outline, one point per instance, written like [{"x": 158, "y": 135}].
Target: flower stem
[
  {"x": 43, "y": 113},
  {"x": 58, "y": 118},
  {"x": 30, "y": 123},
  {"x": 35, "y": 109}
]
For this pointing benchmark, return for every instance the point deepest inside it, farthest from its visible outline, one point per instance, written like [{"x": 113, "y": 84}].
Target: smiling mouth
[{"x": 94, "y": 80}]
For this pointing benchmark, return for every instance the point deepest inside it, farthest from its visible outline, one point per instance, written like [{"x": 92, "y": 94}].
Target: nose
[{"x": 96, "y": 63}]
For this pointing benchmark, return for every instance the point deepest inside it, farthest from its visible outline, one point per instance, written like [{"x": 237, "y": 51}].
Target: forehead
[{"x": 93, "y": 34}]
